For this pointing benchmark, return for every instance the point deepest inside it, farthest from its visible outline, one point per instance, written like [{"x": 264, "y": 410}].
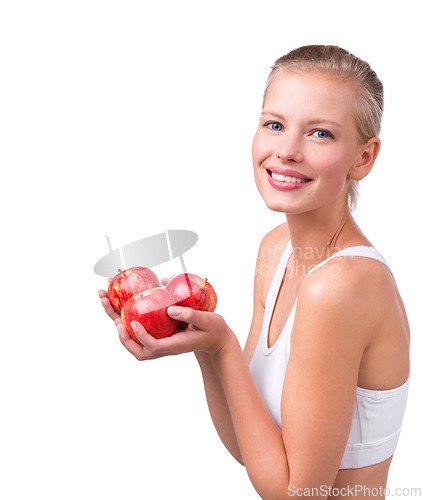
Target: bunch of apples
[{"x": 137, "y": 295}]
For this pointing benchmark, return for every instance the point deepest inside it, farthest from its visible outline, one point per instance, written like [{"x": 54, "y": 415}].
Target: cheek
[
  {"x": 333, "y": 163},
  {"x": 260, "y": 149}
]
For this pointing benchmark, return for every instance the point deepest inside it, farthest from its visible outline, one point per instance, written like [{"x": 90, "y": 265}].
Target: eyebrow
[{"x": 315, "y": 121}]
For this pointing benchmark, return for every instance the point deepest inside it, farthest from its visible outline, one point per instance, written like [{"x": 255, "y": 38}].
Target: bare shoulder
[
  {"x": 276, "y": 237},
  {"x": 270, "y": 251},
  {"x": 355, "y": 303},
  {"x": 354, "y": 287},
  {"x": 356, "y": 280}
]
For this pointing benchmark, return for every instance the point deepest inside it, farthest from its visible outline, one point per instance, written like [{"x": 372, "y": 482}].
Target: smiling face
[{"x": 306, "y": 131}]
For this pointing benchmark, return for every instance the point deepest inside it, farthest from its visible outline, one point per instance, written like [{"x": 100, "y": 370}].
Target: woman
[{"x": 314, "y": 403}]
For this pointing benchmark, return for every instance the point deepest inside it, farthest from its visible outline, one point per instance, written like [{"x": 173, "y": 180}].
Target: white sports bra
[{"x": 378, "y": 415}]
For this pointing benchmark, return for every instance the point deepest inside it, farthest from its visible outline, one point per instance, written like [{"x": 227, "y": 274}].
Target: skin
[{"x": 350, "y": 326}]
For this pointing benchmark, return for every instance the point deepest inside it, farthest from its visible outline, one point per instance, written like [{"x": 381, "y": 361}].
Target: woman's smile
[{"x": 286, "y": 180}]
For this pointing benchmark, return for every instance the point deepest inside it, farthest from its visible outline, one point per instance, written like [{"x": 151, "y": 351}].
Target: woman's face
[{"x": 306, "y": 131}]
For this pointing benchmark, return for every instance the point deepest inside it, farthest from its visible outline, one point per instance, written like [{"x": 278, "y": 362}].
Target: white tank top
[{"x": 378, "y": 415}]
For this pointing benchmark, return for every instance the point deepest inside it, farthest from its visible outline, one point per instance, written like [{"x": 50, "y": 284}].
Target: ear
[{"x": 368, "y": 155}]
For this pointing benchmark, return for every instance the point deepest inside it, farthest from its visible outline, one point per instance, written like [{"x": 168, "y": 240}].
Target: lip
[
  {"x": 286, "y": 186},
  {"x": 285, "y": 171}
]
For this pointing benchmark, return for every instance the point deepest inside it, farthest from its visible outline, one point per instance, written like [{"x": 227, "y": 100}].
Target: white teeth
[{"x": 280, "y": 177}]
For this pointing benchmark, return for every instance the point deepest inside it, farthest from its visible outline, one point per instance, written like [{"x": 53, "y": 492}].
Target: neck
[{"x": 317, "y": 235}]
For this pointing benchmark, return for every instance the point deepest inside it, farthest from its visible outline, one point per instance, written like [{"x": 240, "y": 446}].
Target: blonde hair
[{"x": 338, "y": 62}]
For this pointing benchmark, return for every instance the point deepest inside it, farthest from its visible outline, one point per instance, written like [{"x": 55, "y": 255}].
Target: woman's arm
[
  {"x": 268, "y": 256},
  {"x": 259, "y": 437},
  {"x": 218, "y": 406}
]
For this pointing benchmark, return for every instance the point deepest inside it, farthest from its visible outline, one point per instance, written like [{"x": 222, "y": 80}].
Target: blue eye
[
  {"x": 276, "y": 126},
  {"x": 323, "y": 134}
]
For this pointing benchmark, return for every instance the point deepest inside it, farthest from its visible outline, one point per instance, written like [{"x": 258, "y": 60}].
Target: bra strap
[{"x": 357, "y": 251}]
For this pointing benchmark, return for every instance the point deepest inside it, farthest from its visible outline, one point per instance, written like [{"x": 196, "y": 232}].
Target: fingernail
[
  {"x": 134, "y": 325},
  {"x": 120, "y": 328},
  {"x": 173, "y": 310}
]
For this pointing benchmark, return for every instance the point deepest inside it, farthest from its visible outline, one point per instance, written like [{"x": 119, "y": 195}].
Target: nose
[{"x": 289, "y": 148}]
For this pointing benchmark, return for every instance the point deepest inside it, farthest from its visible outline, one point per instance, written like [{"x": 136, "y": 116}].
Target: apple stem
[
  {"x": 120, "y": 270},
  {"x": 202, "y": 283}
]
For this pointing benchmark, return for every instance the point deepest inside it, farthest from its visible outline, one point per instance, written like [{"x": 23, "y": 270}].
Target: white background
[{"x": 127, "y": 118}]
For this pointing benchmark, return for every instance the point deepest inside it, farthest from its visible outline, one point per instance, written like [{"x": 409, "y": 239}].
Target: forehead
[{"x": 311, "y": 93}]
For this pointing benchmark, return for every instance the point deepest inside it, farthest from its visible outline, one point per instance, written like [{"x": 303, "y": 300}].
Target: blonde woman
[{"x": 313, "y": 405}]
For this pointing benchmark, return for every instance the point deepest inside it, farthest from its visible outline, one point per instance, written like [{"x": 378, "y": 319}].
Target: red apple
[
  {"x": 189, "y": 290},
  {"x": 130, "y": 282},
  {"x": 150, "y": 309}
]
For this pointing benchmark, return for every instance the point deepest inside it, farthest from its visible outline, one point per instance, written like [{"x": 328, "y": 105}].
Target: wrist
[
  {"x": 228, "y": 344},
  {"x": 202, "y": 356}
]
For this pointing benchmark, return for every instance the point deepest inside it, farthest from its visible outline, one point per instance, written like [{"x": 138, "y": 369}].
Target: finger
[
  {"x": 165, "y": 281},
  {"x": 137, "y": 350},
  {"x": 103, "y": 294},
  {"x": 105, "y": 302},
  {"x": 200, "y": 319},
  {"x": 175, "y": 344}
]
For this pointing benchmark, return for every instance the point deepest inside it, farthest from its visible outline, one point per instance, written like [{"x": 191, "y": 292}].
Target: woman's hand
[
  {"x": 207, "y": 332},
  {"x": 105, "y": 302}
]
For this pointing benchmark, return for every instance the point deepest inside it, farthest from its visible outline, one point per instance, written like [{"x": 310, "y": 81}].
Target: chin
[
  {"x": 275, "y": 207},
  {"x": 286, "y": 210},
  {"x": 273, "y": 201},
  {"x": 275, "y": 204}
]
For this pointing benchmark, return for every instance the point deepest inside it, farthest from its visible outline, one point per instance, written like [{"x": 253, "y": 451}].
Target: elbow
[
  {"x": 238, "y": 457},
  {"x": 274, "y": 482},
  {"x": 269, "y": 489}
]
